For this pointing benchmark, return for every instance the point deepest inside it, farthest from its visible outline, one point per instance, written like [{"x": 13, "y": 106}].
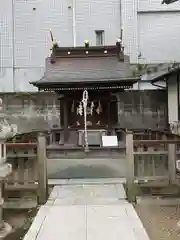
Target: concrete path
[{"x": 87, "y": 212}]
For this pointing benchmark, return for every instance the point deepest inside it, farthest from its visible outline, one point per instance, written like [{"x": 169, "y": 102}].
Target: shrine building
[{"x": 104, "y": 72}]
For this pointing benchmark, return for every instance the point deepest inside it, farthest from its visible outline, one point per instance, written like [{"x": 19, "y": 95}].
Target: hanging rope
[{"x": 85, "y": 101}]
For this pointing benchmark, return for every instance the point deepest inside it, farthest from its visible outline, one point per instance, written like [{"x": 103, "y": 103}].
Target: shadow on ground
[{"x": 81, "y": 171}]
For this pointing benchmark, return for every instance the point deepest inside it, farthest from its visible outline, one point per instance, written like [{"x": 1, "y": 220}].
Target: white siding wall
[
  {"x": 32, "y": 23},
  {"x": 129, "y": 25},
  {"x": 155, "y": 5},
  {"x": 6, "y": 50},
  {"x": 152, "y": 30},
  {"x": 159, "y": 35},
  {"x": 149, "y": 28},
  {"x": 97, "y": 15}
]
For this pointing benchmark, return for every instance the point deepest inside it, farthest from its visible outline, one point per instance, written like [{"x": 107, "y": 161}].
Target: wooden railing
[
  {"x": 28, "y": 167},
  {"x": 151, "y": 156},
  {"x": 23, "y": 157},
  {"x": 150, "y": 160}
]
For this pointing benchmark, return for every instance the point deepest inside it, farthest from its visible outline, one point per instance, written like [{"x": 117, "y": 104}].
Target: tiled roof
[
  {"x": 158, "y": 72},
  {"x": 86, "y": 66},
  {"x": 87, "y": 69},
  {"x": 163, "y": 75}
]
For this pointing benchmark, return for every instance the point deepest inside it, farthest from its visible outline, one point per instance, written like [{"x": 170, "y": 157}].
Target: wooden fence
[
  {"x": 151, "y": 161},
  {"x": 151, "y": 158},
  {"x": 29, "y": 172}
]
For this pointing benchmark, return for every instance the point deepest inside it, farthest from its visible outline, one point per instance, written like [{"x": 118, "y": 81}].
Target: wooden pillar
[
  {"x": 61, "y": 103},
  {"x": 42, "y": 169},
  {"x": 130, "y": 167},
  {"x": 65, "y": 105},
  {"x": 172, "y": 162},
  {"x": 109, "y": 114},
  {"x": 1, "y": 205},
  {"x": 118, "y": 107}
]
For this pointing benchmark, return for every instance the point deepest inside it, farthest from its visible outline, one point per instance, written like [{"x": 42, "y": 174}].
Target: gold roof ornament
[
  {"x": 118, "y": 40},
  {"x": 54, "y": 42},
  {"x": 86, "y": 42}
]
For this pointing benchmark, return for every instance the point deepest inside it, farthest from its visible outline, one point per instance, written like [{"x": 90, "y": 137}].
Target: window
[{"x": 99, "y": 37}]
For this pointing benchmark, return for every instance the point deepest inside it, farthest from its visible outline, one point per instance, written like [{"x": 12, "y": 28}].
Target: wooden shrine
[{"x": 103, "y": 71}]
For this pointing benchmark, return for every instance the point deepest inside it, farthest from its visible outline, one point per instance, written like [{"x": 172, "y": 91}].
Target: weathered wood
[
  {"x": 65, "y": 125},
  {"x": 150, "y": 178},
  {"x": 15, "y": 203},
  {"x": 42, "y": 169},
  {"x": 156, "y": 141},
  {"x": 1, "y": 205},
  {"x": 21, "y": 145},
  {"x": 172, "y": 162},
  {"x": 21, "y": 187},
  {"x": 21, "y": 155},
  {"x": 20, "y": 170},
  {"x": 130, "y": 167},
  {"x": 30, "y": 169},
  {"x": 151, "y": 153}
]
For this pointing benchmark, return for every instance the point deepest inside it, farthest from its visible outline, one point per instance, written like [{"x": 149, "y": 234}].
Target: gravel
[{"x": 160, "y": 221}]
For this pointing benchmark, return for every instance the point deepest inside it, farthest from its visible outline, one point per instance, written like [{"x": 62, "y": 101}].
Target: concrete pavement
[{"x": 87, "y": 212}]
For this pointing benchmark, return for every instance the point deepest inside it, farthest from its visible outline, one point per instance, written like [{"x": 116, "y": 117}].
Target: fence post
[
  {"x": 130, "y": 167},
  {"x": 42, "y": 169},
  {"x": 172, "y": 162}
]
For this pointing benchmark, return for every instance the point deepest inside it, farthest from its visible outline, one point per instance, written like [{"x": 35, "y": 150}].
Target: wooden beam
[
  {"x": 156, "y": 141},
  {"x": 21, "y": 187},
  {"x": 109, "y": 113},
  {"x": 42, "y": 169},
  {"x": 130, "y": 167},
  {"x": 172, "y": 162},
  {"x": 20, "y": 203}
]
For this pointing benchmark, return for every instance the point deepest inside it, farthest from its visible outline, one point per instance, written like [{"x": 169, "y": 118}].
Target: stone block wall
[
  {"x": 41, "y": 110},
  {"x": 31, "y": 111}
]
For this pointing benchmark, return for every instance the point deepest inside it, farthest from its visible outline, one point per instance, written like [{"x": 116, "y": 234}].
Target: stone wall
[
  {"x": 31, "y": 111},
  {"x": 143, "y": 109},
  {"x": 41, "y": 110}
]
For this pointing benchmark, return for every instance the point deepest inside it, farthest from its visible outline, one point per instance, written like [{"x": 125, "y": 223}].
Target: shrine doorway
[{"x": 101, "y": 110}]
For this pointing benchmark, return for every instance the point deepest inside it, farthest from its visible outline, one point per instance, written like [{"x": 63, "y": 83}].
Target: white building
[
  {"x": 172, "y": 80},
  {"x": 151, "y": 33}
]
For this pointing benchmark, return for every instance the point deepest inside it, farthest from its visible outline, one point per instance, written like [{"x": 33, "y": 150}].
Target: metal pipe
[
  {"x": 74, "y": 22},
  {"x": 121, "y": 22},
  {"x": 13, "y": 47}
]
